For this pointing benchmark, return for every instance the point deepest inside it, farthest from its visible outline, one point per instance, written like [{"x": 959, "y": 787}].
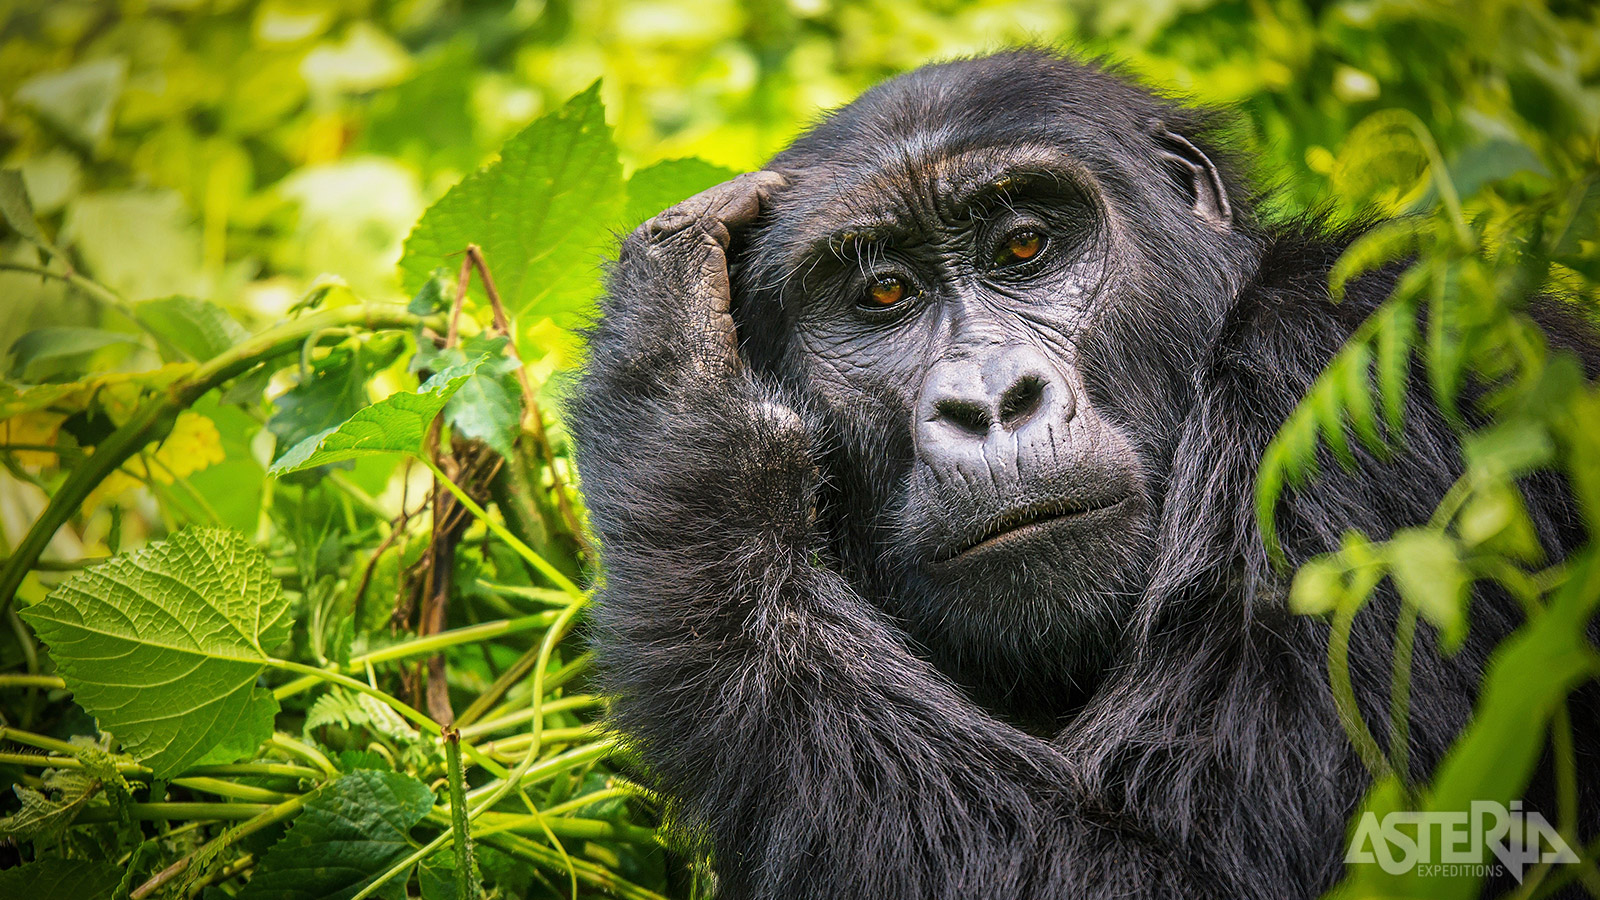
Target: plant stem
[
  {"x": 286, "y": 744},
  {"x": 171, "y": 812},
  {"x": 466, "y": 883},
  {"x": 523, "y": 550},
  {"x": 230, "y": 790},
  {"x": 423, "y": 646},
  {"x": 1344, "y": 695},
  {"x": 1405, "y": 638},
  {"x": 268, "y": 817},
  {"x": 597, "y": 876},
  {"x": 575, "y": 701},
  {"x": 31, "y": 681}
]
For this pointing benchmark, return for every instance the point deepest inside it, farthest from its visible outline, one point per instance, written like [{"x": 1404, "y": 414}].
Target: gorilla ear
[{"x": 1195, "y": 174}]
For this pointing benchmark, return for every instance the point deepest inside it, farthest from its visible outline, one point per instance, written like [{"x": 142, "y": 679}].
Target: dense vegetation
[{"x": 292, "y": 533}]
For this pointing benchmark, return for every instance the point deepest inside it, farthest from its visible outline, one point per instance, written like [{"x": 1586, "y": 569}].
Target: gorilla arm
[{"x": 782, "y": 711}]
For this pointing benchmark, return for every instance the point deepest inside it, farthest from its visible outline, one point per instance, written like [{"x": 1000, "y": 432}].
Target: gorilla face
[{"x": 999, "y": 339}]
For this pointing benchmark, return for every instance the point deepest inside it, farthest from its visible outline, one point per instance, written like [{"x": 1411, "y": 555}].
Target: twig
[{"x": 533, "y": 416}]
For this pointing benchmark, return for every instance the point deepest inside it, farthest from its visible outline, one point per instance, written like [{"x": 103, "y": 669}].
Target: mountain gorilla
[{"x": 923, "y": 467}]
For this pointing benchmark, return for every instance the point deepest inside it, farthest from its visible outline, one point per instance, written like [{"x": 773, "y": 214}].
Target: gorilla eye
[
  {"x": 1019, "y": 247},
  {"x": 885, "y": 291}
]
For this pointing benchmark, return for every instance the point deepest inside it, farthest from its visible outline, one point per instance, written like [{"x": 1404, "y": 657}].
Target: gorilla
[{"x": 922, "y": 463}]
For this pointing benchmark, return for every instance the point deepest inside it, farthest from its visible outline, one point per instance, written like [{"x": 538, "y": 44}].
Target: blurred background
[{"x": 236, "y": 150}]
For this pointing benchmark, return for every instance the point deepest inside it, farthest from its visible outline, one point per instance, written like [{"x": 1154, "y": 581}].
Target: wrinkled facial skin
[{"x": 996, "y": 343}]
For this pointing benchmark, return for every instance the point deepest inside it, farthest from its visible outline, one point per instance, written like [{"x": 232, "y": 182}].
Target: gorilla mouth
[{"x": 1024, "y": 520}]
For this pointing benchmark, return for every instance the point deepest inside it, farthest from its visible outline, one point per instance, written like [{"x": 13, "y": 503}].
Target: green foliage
[
  {"x": 396, "y": 424},
  {"x": 60, "y": 879},
  {"x": 163, "y": 645},
  {"x": 351, "y": 830},
  {"x": 539, "y": 212}
]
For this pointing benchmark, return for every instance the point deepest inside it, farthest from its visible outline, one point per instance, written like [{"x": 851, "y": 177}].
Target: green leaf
[
  {"x": 396, "y": 424},
  {"x": 164, "y": 645},
  {"x": 17, "y": 211},
  {"x": 1429, "y": 573},
  {"x": 46, "y": 813},
  {"x": 61, "y": 879},
  {"x": 542, "y": 213},
  {"x": 1509, "y": 449},
  {"x": 1396, "y": 336},
  {"x": 333, "y": 390},
  {"x": 488, "y": 407},
  {"x": 1384, "y": 243},
  {"x": 77, "y": 101},
  {"x": 1496, "y": 519},
  {"x": 197, "y": 328},
  {"x": 1358, "y": 397},
  {"x": 55, "y": 354},
  {"x": 1318, "y": 587},
  {"x": 350, "y": 831},
  {"x": 669, "y": 182}
]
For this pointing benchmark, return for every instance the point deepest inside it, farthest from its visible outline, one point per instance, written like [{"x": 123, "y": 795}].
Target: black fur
[{"x": 837, "y": 721}]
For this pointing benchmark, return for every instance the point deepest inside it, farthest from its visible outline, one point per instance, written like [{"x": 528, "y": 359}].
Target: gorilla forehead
[
  {"x": 1010, "y": 99},
  {"x": 917, "y": 143}
]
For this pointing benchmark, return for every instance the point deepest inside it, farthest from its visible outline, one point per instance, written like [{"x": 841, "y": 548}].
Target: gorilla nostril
[
  {"x": 965, "y": 414},
  {"x": 1021, "y": 400}
]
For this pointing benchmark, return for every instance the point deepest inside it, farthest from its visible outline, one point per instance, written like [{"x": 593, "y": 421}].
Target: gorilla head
[{"x": 994, "y": 279}]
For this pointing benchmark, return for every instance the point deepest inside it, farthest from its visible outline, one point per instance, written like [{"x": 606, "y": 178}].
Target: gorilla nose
[{"x": 1003, "y": 388}]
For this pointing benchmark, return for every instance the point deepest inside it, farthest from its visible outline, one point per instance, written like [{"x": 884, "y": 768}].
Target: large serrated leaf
[
  {"x": 542, "y": 213},
  {"x": 653, "y": 189},
  {"x": 395, "y": 424},
  {"x": 61, "y": 879},
  {"x": 164, "y": 645},
  {"x": 351, "y": 831}
]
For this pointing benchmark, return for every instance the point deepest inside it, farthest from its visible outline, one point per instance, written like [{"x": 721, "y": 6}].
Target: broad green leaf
[
  {"x": 653, "y": 189},
  {"x": 333, "y": 390},
  {"x": 164, "y": 645},
  {"x": 61, "y": 879},
  {"x": 488, "y": 407},
  {"x": 1429, "y": 573},
  {"x": 55, "y": 354},
  {"x": 17, "y": 211},
  {"x": 198, "y": 328},
  {"x": 543, "y": 214},
  {"x": 396, "y": 424},
  {"x": 77, "y": 101},
  {"x": 350, "y": 831}
]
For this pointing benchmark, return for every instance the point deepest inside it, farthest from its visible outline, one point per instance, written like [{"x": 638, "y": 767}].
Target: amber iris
[
  {"x": 886, "y": 292},
  {"x": 1022, "y": 246}
]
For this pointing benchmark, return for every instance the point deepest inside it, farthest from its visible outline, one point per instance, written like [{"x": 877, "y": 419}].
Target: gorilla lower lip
[{"x": 1025, "y": 519}]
